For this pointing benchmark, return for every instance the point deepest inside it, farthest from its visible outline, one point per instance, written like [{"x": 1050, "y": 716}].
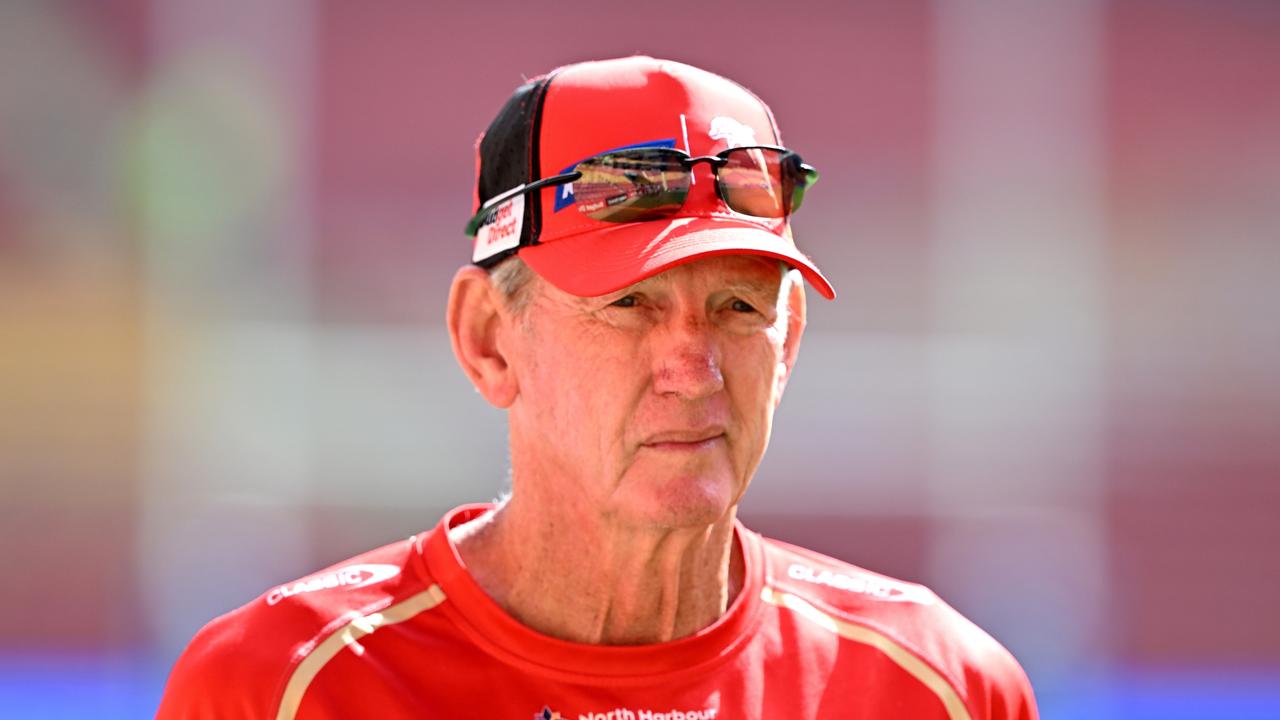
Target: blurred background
[{"x": 1050, "y": 387}]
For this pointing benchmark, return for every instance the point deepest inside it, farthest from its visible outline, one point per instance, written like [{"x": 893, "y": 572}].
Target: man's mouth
[{"x": 686, "y": 440}]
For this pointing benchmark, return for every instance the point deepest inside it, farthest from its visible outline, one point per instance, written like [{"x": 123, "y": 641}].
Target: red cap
[{"x": 586, "y": 109}]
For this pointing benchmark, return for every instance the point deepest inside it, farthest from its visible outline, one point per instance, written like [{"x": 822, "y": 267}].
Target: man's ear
[
  {"x": 795, "y": 331},
  {"x": 477, "y": 320}
]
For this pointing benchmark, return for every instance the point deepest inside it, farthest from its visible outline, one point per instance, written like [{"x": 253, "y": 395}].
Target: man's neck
[{"x": 597, "y": 582}]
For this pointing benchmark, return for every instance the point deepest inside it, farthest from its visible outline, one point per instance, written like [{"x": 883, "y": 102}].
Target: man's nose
[{"x": 687, "y": 359}]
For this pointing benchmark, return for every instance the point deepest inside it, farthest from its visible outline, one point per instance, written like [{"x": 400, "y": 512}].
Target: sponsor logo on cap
[
  {"x": 349, "y": 578},
  {"x": 500, "y": 230}
]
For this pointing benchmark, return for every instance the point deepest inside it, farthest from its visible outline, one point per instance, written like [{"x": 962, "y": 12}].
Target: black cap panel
[{"x": 509, "y": 150}]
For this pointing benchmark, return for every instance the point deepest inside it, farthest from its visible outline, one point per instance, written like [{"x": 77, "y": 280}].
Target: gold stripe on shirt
[
  {"x": 904, "y": 658},
  {"x": 349, "y": 637}
]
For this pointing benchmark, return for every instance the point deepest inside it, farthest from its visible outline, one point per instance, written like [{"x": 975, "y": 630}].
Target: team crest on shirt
[{"x": 548, "y": 714}]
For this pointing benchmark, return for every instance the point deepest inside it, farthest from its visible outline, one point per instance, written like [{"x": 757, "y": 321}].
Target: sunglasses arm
[{"x": 478, "y": 219}]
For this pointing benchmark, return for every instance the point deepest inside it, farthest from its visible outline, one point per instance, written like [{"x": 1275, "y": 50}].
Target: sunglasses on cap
[{"x": 648, "y": 183}]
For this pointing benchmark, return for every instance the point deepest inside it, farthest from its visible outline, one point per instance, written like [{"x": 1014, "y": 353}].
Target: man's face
[{"x": 652, "y": 405}]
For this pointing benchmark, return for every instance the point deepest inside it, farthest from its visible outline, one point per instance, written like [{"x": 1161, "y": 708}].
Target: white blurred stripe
[
  {"x": 1019, "y": 258},
  {"x": 1018, "y": 250}
]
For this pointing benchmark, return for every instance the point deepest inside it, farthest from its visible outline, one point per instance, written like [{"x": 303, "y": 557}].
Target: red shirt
[{"x": 405, "y": 632}]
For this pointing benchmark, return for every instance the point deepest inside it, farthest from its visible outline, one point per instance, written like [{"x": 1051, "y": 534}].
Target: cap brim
[{"x": 606, "y": 260}]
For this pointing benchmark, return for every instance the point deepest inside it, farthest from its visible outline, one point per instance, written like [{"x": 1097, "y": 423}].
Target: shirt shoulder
[
  {"x": 906, "y": 621},
  {"x": 241, "y": 663}
]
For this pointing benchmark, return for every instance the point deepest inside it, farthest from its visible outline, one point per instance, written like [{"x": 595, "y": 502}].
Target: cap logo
[{"x": 732, "y": 132}]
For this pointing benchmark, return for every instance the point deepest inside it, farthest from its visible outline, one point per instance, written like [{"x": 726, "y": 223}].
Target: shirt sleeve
[
  {"x": 220, "y": 675},
  {"x": 999, "y": 688}
]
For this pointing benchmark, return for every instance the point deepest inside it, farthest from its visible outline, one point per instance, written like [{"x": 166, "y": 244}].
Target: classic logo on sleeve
[
  {"x": 876, "y": 587},
  {"x": 348, "y": 578}
]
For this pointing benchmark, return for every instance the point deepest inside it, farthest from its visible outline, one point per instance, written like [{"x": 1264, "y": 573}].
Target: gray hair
[{"x": 513, "y": 279}]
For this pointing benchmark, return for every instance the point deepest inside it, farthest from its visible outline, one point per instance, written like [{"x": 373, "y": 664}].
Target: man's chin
[{"x": 682, "y": 501}]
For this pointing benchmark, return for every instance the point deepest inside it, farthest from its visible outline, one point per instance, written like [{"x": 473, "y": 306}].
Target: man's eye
[
  {"x": 742, "y": 306},
  {"x": 625, "y": 301}
]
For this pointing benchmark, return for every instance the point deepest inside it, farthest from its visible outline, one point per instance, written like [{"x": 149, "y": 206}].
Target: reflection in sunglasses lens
[
  {"x": 631, "y": 186},
  {"x": 649, "y": 183}
]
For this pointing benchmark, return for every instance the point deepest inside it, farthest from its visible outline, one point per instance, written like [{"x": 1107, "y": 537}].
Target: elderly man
[{"x": 636, "y": 305}]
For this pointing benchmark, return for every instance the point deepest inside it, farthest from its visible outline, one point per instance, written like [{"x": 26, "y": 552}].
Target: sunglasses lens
[
  {"x": 764, "y": 182},
  {"x": 631, "y": 185}
]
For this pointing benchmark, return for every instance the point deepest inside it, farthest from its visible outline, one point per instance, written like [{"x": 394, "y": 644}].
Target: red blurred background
[{"x": 1049, "y": 387}]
